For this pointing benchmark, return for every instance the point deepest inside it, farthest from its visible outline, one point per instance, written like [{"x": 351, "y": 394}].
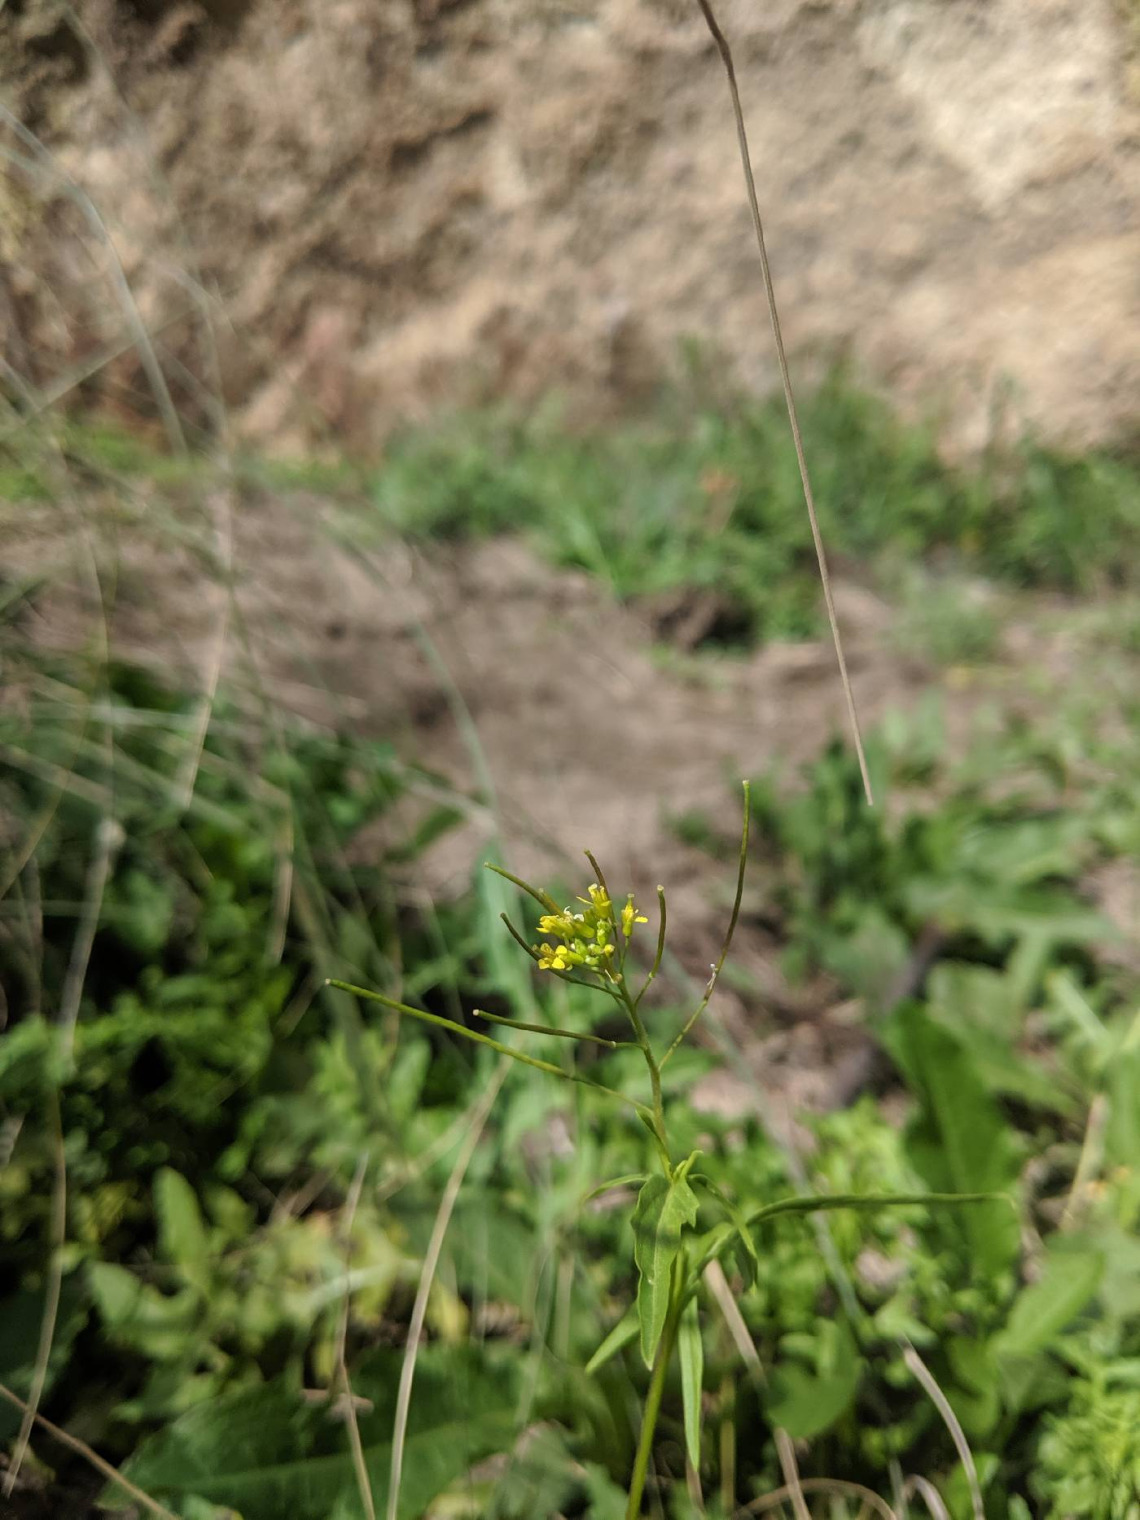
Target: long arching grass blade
[{"x": 789, "y": 398}]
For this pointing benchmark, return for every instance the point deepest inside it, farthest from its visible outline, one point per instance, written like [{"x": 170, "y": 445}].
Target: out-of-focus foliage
[
  {"x": 215, "y": 1100},
  {"x": 708, "y": 503}
]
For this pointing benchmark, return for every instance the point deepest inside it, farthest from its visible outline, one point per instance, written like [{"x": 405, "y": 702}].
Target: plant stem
[
  {"x": 654, "y": 1075},
  {"x": 653, "y": 1398}
]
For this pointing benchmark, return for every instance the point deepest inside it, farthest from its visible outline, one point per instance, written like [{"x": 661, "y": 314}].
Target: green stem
[
  {"x": 653, "y": 1399},
  {"x": 481, "y": 1039},
  {"x": 646, "y": 1049}
]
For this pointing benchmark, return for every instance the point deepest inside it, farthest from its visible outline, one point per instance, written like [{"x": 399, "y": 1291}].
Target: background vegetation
[{"x": 221, "y": 1178}]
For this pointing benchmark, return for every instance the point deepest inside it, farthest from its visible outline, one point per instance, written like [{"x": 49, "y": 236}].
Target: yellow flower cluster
[{"x": 587, "y": 938}]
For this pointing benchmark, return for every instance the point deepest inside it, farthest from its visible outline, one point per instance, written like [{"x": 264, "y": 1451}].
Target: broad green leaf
[
  {"x": 663, "y": 1210},
  {"x": 692, "y": 1353},
  {"x": 1046, "y": 1307},
  {"x": 162, "y": 1326},
  {"x": 181, "y": 1231},
  {"x": 267, "y": 1454},
  {"x": 1122, "y": 1137},
  {"x": 806, "y": 1403},
  {"x": 540, "y": 1479},
  {"x": 976, "y": 1393},
  {"x": 619, "y": 1337},
  {"x": 959, "y": 1141}
]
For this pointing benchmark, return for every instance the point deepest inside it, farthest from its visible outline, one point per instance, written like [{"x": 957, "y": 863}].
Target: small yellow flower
[
  {"x": 629, "y": 917},
  {"x": 552, "y": 958},
  {"x": 587, "y": 937}
]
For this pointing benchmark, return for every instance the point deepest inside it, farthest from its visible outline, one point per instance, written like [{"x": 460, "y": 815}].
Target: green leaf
[
  {"x": 959, "y": 1141},
  {"x": 663, "y": 1210},
  {"x": 1046, "y": 1307},
  {"x": 265, "y": 1453},
  {"x": 692, "y": 1354},
  {"x": 164, "y": 1327},
  {"x": 805, "y": 1403},
  {"x": 619, "y": 1337},
  {"x": 747, "y": 1256},
  {"x": 181, "y": 1231},
  {"x": 1122, "y": 1137},
  {"x": 976, "y": 1394}
]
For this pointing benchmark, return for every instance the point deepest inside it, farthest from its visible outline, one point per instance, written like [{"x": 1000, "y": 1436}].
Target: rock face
[{"x": 387, "y": 205}]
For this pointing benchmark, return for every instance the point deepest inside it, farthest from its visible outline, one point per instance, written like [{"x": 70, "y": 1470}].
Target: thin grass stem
[{"x": 789, "y": 398}]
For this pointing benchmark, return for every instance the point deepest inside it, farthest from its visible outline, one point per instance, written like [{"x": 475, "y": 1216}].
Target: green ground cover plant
[
  {"x": 709, "y": 501},
  {"x": 252, "y": 1161},
  {"x": 216, "y": 1105},
  {"x": 703, "y": 498}
]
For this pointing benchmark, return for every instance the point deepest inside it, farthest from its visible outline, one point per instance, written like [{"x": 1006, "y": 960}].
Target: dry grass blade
[
  {"x": 793, "y": 416},
  {"x": 143, "y": 1499},
  {"x": 1089, "y": 1161},
  {"x": 108, "y": 841},
  {"x": 360, "y": 1466},
  {"x": 787, "y": 1455},
  {"x": 51, "y": 1304},
  {"x": 924, "y": 1375},
  {"x": 718, "y": 1286},
  {"x": 840, "y": 1486},
  {"x": 427, "y": 1277},
  {"x": 929, "y": 1495},
  {"x": 43, "y": 164}
]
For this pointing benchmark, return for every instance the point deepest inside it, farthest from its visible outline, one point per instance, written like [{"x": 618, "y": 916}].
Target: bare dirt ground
[{"x": 540, "y": 700}]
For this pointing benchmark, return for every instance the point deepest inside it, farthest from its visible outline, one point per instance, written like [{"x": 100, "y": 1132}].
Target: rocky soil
[{"x": 341, "y": 213}]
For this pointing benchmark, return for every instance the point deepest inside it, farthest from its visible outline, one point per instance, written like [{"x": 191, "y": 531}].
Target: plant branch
[
  {"x": 562, "y": 1034},
  {"x": 524, "y": 886},
  {"x": 484, "y": 1039},
  {"x": 862, "y": 1202},
  {"x": 656, "y": 966}
]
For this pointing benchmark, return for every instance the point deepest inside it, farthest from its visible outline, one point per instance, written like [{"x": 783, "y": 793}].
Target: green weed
[{"x": 710, "y": 502}]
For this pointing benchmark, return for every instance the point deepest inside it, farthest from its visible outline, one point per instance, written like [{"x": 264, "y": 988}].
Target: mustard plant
[{"x": 594, "y": 942}]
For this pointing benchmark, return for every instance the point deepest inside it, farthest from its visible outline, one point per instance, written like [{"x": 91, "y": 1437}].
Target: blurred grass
[
  {"x": 703, "y": 501},
  {"x": 696, "y": 500},
  {"x": 222, "y": 1097}
]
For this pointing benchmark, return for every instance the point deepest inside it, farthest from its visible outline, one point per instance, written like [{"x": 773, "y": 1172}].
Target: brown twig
[{"x": 93, "y": 1457}]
